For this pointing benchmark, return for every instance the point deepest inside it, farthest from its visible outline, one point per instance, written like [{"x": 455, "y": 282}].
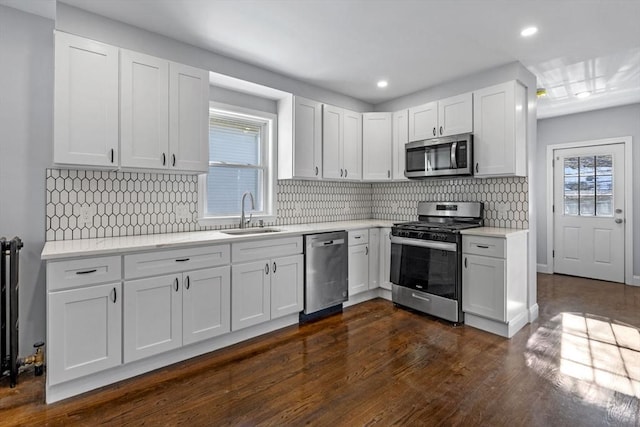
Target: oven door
[{"x": 425, "y": 265}]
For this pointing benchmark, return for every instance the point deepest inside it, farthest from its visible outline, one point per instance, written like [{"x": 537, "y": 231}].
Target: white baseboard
[
  {"x": 533, "y": 312},
  {"x": 636, "y": 281},
  {"x": 544, "y": 268}
]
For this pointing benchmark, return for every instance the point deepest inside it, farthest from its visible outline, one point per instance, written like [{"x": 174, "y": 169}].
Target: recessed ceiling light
[
  {"x": 383, "y": 83},
  {"x": 583, "y": 94},
  {"x": 529, "y": 31}
]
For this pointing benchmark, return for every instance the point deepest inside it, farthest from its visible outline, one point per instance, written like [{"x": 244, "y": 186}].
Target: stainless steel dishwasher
[{"x": 326, "y": 269}]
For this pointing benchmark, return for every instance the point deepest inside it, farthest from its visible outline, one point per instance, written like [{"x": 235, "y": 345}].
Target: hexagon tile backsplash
[{"x": 87, "y": 204}]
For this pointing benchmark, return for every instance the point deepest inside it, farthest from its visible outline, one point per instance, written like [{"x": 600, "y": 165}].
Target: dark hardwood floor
[{"x": 577, "y": 365}]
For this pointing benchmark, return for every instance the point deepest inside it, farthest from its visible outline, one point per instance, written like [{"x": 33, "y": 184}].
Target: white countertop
[
  {"x": 119, "y": 245},
  {"x": 493, "y": 231}
]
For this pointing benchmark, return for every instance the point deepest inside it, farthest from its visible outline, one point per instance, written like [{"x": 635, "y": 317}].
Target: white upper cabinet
[
  {"x": 400, "y": 138},
  {"x": 341, "y": 143},
  {"x": 449, "y": 116},
  {"x": 455, "y": 115},
  {"x": 423, "y": 121},
  {"x": 86, "y": 102},
  {"x": 144, "y": 110},
  {"x": 160, "y": 108},
  {"x": 376, "y": 146},
  {"x": 299, "y": 138},
  {"x": 499, "y": 140},
  {"x": 188, "y": 118}
]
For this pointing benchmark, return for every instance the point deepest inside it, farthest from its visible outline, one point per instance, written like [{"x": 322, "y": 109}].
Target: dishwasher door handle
[{"x": 324, "y": 243}]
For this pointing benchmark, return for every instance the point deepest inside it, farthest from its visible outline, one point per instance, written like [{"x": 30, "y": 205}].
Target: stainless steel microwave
[{"x": 448, "y": 156}]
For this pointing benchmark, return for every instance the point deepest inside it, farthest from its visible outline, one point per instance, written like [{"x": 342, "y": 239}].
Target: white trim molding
[{"x": 629, "y": 278}]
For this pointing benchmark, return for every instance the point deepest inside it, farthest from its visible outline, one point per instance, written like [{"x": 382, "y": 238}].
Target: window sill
[{"x": 235, "y": 221}]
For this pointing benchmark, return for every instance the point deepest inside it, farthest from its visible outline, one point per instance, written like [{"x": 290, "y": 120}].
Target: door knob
[
  {"x": 618, "y": 220},
  {"x": 618, "y": 211}
]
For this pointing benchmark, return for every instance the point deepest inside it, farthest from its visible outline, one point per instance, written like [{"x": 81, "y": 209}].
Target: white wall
[
  {"x": 591, "y": 125},
  {"x": 26, "y": 118}
]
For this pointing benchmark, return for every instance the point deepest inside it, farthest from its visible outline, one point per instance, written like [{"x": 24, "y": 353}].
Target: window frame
[{"x": 268, "y": 157}]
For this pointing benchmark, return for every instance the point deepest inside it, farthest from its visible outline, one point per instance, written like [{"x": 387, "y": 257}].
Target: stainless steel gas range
[{"x": 426, "y": 258}]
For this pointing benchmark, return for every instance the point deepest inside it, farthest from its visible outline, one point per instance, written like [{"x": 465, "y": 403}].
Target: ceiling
[{"x": 348, "y": 45}]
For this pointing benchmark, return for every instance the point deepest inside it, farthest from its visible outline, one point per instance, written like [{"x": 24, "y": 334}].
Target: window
[
  {"x": 241, "y": 159},
  {"x": 588, "y": 186}
]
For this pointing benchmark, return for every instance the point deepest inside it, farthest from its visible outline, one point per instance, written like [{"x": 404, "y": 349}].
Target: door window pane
[{"x": 588, "y": 186}]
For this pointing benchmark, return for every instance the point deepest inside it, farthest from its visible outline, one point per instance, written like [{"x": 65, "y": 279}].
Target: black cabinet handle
[
  {"x": 465, "y": 262},
  {"x": 164, "y": 159},
  {"x": 115, "y": 295},
  {"x": 173, "y": 160},
  {"x": 434, "y": 131},
  {"x": 341, "y": 173},
  {"x": 440, "y": 130},
  {"x": 183, "y": 259},
  {"x": 483, "y": 246},
  {"x": 177, "y": 284},
  {"x": 113, "y": 154},
  {"x": 366, "y": 250},
  {"x": 86, "y": 271},
  {"x": 346, "y": 172},
  {"x": 476, "y": 167},
  {"x": 266, "y": 268},
  {"x": 316, "y": 171},
  {"x": 187, "y": 283},
  {"x": 388, "y": 174},
  {"x": 274, "y": 268}
]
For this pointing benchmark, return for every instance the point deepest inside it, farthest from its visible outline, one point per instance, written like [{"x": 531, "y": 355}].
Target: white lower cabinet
[
  {"x": 166, "y": 312},
  {"x": 494, "y": 284},
  {"x": 385, "y": 258},
  {"x": 374, "y": 258},
  {"x": 269, "y": 288},
  {"x": 84, "y": 331},
  {"x": 358, "y": 261}
]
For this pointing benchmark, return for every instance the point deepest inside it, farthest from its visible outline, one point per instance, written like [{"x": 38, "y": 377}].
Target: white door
[
  {"x": 332, "y": 127},
  {"x": 352, "y": 145},
  {"x": 376, "y": 146},
  {"x": 188, "y": 118},
  {"x": 144, "y": 110},
  {"x": 86, "y": 102},
  {"x": 206, "y": 304},
  {"x": 307, "y": 138},
  {"x": 455, "y": 115},
  {"x": 85, "y": 327},
  {"x": 483, "y": 286},
  {"x": 589, "y": 225},
  {"x": 423, "y": 121},
  {"x": 250, "y": 294},
  {"x": 287, "y": 285},
  {"x": 358, "y": 269},
  {"x": 152, "y": 316}
]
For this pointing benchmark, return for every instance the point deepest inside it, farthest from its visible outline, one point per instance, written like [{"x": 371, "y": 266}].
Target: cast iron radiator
[{"x": 9, "y": 264}]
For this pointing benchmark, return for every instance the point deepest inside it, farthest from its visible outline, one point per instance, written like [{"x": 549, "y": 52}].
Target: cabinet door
[
  {"x": 84, "y": 330},
  {"x": 385, "y": 258},
  {"x": 307, "y": 162},
  {"x": 352, "y": 145},
  {"x": 206, "y": 304},
  {"x": 152, "y": 316},
  {"x": 144, "y": 110},
  {"x": 188, "y": 118},
  {"x": 455, "y": 115},
  {"x": 400, "y": 138},
  {"x": 374, "y": 258},
  {"x": 423, "y": 121},
  {"x": 483, "y": 286},
  {"x": 358, "y": 269},
  {"x": 250, "y": 294},
  {"x": 86, "y": 102},
  {"x": 376, "y": 146},
  {"x": 332, "y": 128},
  {"x": 499, "y": 140},
  {"x": 287, "y": 291}
]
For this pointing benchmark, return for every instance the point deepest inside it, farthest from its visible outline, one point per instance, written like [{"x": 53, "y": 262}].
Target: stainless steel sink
[{"x": 243, "y": 231}]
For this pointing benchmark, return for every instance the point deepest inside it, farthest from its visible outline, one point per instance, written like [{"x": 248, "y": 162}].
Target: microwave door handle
[{"x": 454, "y": 162}]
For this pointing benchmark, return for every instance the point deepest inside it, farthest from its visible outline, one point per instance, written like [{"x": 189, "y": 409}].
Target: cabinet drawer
[
  {"x": 358, "y": 237},
  {"x": 175, "y": 260},
  {"x": 82, "y": 272},
  {"x": 261, "y": 249},
  {"x": 481, "y": 245}
]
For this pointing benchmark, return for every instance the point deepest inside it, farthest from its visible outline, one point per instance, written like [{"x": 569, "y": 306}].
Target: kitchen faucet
[{"x": 243, "y": 224}]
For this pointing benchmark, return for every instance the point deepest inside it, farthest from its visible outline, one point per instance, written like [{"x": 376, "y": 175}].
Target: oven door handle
[{"x": 429, "y": 244}]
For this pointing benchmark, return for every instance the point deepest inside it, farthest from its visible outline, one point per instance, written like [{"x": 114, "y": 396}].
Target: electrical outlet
[{"x": 86, "y": 216}]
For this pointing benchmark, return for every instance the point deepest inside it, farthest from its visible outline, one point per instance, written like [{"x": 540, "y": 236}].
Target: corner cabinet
[
  {"x": 500, "y": 133},
  {"x": 341, "y": 144},
  {"x": 376, "y": 146},
  {"x": 117, "y": 108},
  {"x": 85, "y": 102},
  {"x": 299, "y": 138},
  {"x": 449, "y": 116},
  {"x": 494, "y": 285}
]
